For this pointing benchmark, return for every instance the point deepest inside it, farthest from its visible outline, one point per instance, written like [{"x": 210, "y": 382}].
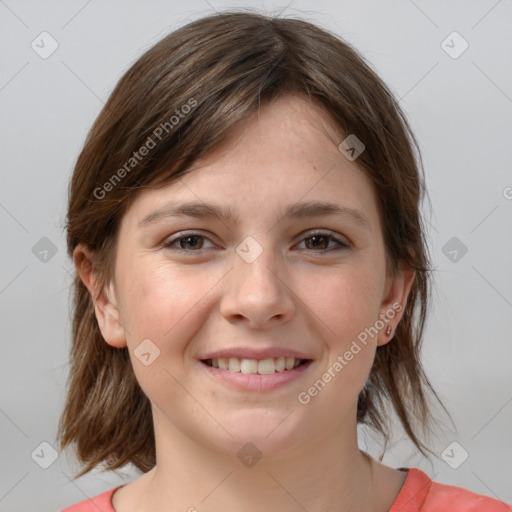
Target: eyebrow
[{"x": 301, "y": 210}]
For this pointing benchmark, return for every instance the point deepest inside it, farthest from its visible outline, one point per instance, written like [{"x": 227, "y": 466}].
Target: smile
[
  {"x": 252, "y": 366},
  {"x": 257, "y": 375}
]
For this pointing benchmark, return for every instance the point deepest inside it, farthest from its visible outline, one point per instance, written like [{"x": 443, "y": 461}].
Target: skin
[{"x": 289, "y": 296}]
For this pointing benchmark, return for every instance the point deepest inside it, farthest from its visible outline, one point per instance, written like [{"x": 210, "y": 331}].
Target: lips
[
  {"x": 256, "y": 369},
  {"x": 252, "y": 353},
  {"x": 265, "y": 366},
  {"x": 257, "y": 382}
]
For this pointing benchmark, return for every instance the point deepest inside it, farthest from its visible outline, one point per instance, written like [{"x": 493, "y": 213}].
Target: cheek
[
  {"x": 343, "y": 308},
  {"x": 167, "y": 306},
  {"x": 157, "y": 299},
  {"x": 346, "y": 302},
  {"x": 162, "y": 311},
  {"x": 347, "y": 305}
]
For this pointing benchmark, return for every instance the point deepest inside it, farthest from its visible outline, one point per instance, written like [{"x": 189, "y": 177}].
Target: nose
[{"x": 257, "y": 293}]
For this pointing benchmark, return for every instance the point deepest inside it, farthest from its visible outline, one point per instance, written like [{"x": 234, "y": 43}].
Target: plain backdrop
[{"x": 457, "y": 92}]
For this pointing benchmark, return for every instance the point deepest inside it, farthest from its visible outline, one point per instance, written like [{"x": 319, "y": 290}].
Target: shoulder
[
  {"x": 101, "y": 502},
  {"x": 421, "y": 494},
  {"x": 457, "y": 498}
]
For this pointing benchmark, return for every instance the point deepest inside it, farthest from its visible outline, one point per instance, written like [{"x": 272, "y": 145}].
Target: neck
[{"x": 329, "y": 474}]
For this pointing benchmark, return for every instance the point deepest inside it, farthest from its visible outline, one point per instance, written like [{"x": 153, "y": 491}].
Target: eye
[
  {"x": 191, "y": 242},
  {"x": 318, "y": 241}
]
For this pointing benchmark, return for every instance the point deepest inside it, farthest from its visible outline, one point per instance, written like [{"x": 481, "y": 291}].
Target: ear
[
  {"x": 394, "y": 303},
  {"x": 105, "y": 304}
]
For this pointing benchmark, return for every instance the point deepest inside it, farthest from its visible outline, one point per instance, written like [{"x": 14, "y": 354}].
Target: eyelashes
[
  {"x": 313, "y": 239},
  {"x": 325, "y": 236},
  {"x": 192, "y": 236}
]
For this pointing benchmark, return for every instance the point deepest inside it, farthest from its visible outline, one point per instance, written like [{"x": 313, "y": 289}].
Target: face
[{"x": 274, "y": 289}]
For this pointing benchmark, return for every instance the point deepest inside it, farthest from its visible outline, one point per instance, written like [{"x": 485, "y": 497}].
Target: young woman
[{"x": 252, "y": 279}]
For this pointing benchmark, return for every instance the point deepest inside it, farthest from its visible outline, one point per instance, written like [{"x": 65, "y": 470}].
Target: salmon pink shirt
[{"x": 418, "y": 494}]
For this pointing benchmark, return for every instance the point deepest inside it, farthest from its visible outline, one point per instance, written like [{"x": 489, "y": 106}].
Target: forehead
[
  {"x": 286, "y": 153},
  {"x": 289, "y": 127}
]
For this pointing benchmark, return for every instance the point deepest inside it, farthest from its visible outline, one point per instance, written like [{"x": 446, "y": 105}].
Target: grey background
[{"x": 459, "y": 108}]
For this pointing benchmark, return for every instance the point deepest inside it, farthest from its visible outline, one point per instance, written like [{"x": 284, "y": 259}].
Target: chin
[{"x": 266, "y": 432}]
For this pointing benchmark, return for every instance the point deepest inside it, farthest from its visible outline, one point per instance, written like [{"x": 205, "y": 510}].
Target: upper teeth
[{"x": 261, "y": 366}]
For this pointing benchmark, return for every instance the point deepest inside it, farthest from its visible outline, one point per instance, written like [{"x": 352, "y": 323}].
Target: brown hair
[{"x": 224, "y": 67}]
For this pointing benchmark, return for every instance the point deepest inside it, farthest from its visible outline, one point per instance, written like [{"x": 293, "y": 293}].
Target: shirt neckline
[{"x": 412, "y": 493}]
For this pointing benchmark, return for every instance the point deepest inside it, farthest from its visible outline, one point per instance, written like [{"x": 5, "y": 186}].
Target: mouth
[
  {"x": 255, "y": 375},
  {"x": 266, "y": 366}
]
